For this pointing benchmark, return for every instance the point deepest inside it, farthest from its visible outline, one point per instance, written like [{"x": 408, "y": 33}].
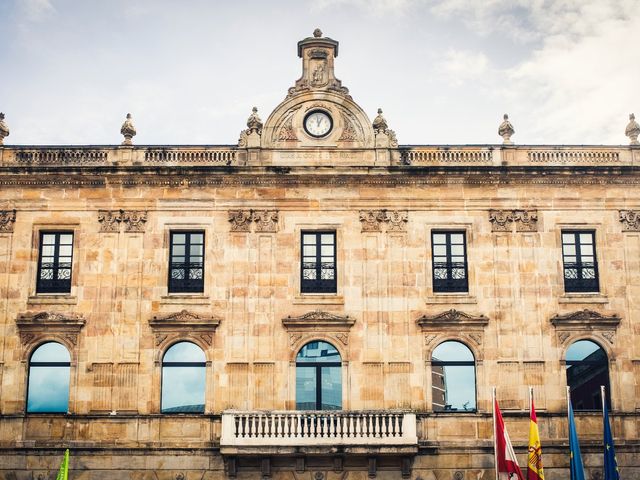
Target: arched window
[
  {"x": 587, "y": 369},
  {"x": 49, "y": 372},
  {"x": 183, "y": 379},
  {"x": 318, "y": 377},
  {"x": 453, "y": 378}
]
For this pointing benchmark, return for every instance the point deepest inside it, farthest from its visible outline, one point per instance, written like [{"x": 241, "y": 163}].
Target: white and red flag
[{"x": 506, "y": 463}]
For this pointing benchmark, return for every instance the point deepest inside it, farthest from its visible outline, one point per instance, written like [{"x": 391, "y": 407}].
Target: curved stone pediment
[
  {"x": 319, "y": 319},
  {"x": 37, "y": 326},
  {"x": 452, "y": 318}
]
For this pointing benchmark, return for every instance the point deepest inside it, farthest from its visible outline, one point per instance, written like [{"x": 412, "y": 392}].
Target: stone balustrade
[
  {"x": 318, "y": 428},
  {"x": 445, "y": 156}
]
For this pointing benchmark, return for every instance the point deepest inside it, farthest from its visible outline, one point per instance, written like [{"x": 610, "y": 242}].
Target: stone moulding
[
  {"x": 452, "y": 318},
  {"x": 7, "y": 219},
  {"x": 373, "y": 220},
  {"x": 36, "y": 326},
  {"x": 525, "y": 220},
  {"x": 266, "y": 220},
  {"x": 182, "y": 323},
  {"x": 319, "y": 320},
  {"x": 630, "y": 220},
  {"x": 585, "y": 319}
]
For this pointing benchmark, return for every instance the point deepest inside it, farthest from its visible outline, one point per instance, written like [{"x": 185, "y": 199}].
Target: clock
[{"x": 318, "y": 123}]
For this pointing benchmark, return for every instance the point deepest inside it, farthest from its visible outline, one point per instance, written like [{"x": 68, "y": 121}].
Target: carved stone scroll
[
  {"x": 134, "y": 220},
  {"x": 36, "y": 326},
  {"x": 630, "y": 220},
  {"x": 7, "y": 219},
  {"x": 500, "y": 220},
  {"x": 524, "y": 220},
  {"x": 183, "y": 324},
  {"x": 265, "y": 220},
  {"x": 110, "y": 220},
  {"x": 374, "y": 220},
  {"x": 240, "y": 220},
  {"x": 585, "y": 321}
]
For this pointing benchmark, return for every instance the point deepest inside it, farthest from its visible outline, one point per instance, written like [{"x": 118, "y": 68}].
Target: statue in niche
[{"x": 317, "y": 77}]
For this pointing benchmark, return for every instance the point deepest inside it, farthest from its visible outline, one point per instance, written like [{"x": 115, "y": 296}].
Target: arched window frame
[
  {"x": 475, "y": 363},
  {"x": 610, "y": 363},
  {"x": 342, "y": 364},
  {"x": 72, "y": 364},
  {"x": 208, "y": 384}
]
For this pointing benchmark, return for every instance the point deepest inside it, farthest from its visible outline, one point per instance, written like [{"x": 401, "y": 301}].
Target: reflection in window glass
[
  {"x": 318, "y": 377},
  {"x": 49, "y": 371},
  {"x": 587, "y": 370},
  {"x": 453, "y": 378},
  {"x": 183, "y": 379}
]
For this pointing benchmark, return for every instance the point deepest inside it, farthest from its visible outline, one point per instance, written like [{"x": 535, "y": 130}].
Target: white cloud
[{"x": 460, "y": 66}]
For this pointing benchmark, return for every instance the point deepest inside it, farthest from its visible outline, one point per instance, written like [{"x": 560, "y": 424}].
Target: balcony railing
[{"x": 318, "y": 428}]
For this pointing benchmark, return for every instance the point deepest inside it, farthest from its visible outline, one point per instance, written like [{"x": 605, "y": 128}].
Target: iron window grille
[
  {"x": 318, "y": 273},
  {"x": 580, "y": 264},
  {"x": 54, "y": 263},
  {"x": 186, "y": 265},
  {"x": 449, "y": 255}
]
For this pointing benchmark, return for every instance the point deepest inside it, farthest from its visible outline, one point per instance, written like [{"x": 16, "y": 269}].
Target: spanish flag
[{"x": 534, "y": 461}]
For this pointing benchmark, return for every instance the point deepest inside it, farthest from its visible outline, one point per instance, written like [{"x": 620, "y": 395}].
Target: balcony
[{"x": 318, "y": 432}]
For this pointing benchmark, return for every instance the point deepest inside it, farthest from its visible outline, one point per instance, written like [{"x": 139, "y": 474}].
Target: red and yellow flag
[{"x": 534, "y": 461}]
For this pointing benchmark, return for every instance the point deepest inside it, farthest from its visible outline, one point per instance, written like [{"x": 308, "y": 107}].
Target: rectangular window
[
  {"x": 54, "y": 264},
  {"x": 449, "y": 252},
  {"x": 186, "y": 265},
  {"x": 579, "y": 258},
  {"x": 318, "y": 253}
]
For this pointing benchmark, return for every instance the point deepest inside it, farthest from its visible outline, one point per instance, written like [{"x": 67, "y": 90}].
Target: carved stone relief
[
  {"x": 585, "y": 321},
  {"x": 7, "y": 219},
  {"x": 184, "y": 323},
  {"x": 393, "y": 220},
  {"x": 525, "y": 220},
  {"x": 266, "y": 221},
  {"x": 308, "y": 325},
  {"x": 110, "y": 220},
  {"x": 33, "y": 327},
  {"x": 287, "y": 132},
  {"x": 134, "y": 220},
  {"x": 630, "y": 220},
  {"x": 349, "y": 132}
]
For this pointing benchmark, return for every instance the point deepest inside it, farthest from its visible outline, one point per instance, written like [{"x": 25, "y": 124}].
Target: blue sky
[{"x": 444, "y": 71}]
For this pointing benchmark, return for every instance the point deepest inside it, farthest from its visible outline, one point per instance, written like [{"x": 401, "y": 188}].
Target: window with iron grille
[
  {"x": 449, "y": 252},
  {"x": 579, "y": 258},
  {"x": 318, "y": 273},
  {"x": 54, "y": 264},
  {"x": 186, "y": 265}
]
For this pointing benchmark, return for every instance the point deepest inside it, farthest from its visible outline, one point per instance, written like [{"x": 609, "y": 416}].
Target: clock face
[{"x": 318, "y": 123}]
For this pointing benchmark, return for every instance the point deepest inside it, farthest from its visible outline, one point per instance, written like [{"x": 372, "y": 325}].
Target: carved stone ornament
[
  {"x": 505, "y": 130},
  {"x": 181, "y": 323},
  {"x": 585, "y": 320},
  {"x": 134, "y": 220},
  {"x": 7, "y": 219},
  {"x": 500, "y": 220},
  {"x": 319, "y": 320},
  {"x": 632, "y": 131},
  {"x": 380, "y": 127},
  {"x": 254, "y": 126},
  {"x": 33, "y": 326},
  {"x": 287, "y": 132},
  {"x": 630, "y": 220},
  {"x": 452, "y": 319},
  {"x": 110, "y": 220},
  {"x": 128, "y": 130},
  {"x": 526, "y": 220},
  {"x": 4, "y": 129},
  {"x": 265, "y": 220},
  {"x": 240, "y": 220},
  {"x": 373, "y": 220},
  {"x": 349, "y": 133}
]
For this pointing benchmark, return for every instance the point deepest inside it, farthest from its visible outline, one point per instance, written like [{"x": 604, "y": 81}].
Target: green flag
[{"x": 63, "y": 473}]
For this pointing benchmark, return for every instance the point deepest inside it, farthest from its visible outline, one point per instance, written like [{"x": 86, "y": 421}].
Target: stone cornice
[
  {"x": 36, "y": 326},
  {"x": 585, "y": 319},
  {"x": 452, "y": 319},
  {"x": 319, "y": 320},
  {"x": 185, "y": 320}
]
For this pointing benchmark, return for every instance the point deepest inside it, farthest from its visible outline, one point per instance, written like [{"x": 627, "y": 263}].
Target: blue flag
[
  {"x": 577, "y": 470},
  {"x": 610, "y": 462}
]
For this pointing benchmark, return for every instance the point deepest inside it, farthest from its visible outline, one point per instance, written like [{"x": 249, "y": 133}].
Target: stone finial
[
  {"x": 4, "y": 130},
  {"x": 317, "y": 33},
  {"x": 632, "y": 131},
  {"x": 506, "y": 130},
  {"x": 379, "y": 123},
  {"x": 128, "y": 130},
  {"x": 254, "y": 122}
]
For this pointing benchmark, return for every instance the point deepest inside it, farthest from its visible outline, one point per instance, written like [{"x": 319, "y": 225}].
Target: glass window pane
[
  {"x": 48, "y": 389},
  {"x": 51, "y": 352},
  {"x": 178, "y": 250},
  {"x": 587, "y": 369},
  {"x": 195, "y": 250},
  {"x": 318, "y": 352},
  {"x": 452, "y": 351},
  {"x": 327, "y": 250},
  {"x": 331, "y": 384},
  {"x": 439, "y": 238},
  {"x": 48, "y": 238},
  {"x": 457, "y": 238},
  {"x": 309, "y": 238},
  {"x": 306, "y": 388},
  {"x": 459, "y": 385},
  {"x": 327, "y": 238},
  {"x": 183, "y": 389},
  {"x": 586, "y": 238},
  {"x": 65, "y": 250},
  {"x": 569, "y": 249},
  {"x": 568, "y": 238},
  {"x": 197, "y": 238},
  {"x": 66, "y": 239},
  {"x": 47, "y": 251},
  {"x": 440, "y": 250},
  {"x": 586, "y": 250},
  {"x": 178, "y": 238},
  {"x": 584, "y": 349},
  {"x": 184, "y": 352},
  {"x": 457, "y": 249},
  {"x": 309, "y": 250}
]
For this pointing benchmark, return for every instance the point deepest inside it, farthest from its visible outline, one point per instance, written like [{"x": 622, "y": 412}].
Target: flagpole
[
  {"x": 530, "y": 399},
  {"x": 495, "y": 441},
  {"x": 602, "y": 394}
]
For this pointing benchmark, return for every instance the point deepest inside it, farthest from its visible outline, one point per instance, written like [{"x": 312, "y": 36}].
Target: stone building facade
[{"x": 326, "y": 262}]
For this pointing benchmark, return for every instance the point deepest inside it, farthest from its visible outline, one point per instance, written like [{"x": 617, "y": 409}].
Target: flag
[
  {"x": 506, "y": 462},
  {"x": 577, "y": 470},
  {"x": 63, "y": 473},
  {"x": 610, "y": 462},
  {"x": 534, "y": 460}
]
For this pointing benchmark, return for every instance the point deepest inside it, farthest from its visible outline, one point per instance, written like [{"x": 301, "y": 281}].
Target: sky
[{"x": 443, "y": 71}]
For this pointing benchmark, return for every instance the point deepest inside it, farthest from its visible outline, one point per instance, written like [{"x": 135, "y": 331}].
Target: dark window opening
[
  {"x": 318, "y": 377},
  {"x": 579, "y": 258},
  {"x": 54, "y": 264},
  {"x": 587, "y": 370},
  {"x": 449, "y": 253},
  {"x": 318, "y": 272},
  {"x": 186, "y": 265}
]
